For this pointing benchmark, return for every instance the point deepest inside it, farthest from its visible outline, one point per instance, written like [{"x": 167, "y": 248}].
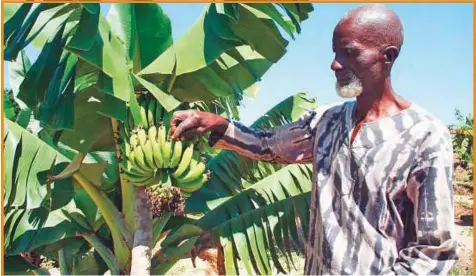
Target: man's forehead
[
  {"x": 349, "y": 26},
  {"x": 353, "y": 33},
  {"x": 346, "y": 33}
]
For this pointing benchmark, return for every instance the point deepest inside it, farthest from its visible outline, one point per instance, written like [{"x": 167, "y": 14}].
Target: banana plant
[
  {"x": 462, "y": 134},
  {"x": 97, "y": 179}
]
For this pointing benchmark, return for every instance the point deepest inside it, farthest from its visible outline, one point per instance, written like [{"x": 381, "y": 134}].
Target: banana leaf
[
  {"x": 222, "y": 54},
  {"x": 39, "y": 212},
  {"x": 258, "y": 227}
]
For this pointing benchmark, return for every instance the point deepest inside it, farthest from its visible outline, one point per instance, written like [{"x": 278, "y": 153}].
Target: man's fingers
[
  {"x": 189, "y": 134},
  {"x": 188, "y": 124},
  {"x": 193, "y": 132},
  {"x": 177, "y": 119}
]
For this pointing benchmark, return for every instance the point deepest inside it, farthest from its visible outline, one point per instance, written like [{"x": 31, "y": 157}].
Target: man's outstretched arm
[{"x": 290, "y": 143}]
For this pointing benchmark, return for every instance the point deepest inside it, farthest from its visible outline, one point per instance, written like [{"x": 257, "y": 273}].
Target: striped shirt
[{"x": 381, "y": 205}]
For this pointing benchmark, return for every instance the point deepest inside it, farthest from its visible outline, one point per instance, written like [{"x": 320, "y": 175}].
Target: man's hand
[{"x": 191, "y": 123}]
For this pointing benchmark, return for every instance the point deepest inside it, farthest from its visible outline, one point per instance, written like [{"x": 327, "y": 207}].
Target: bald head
[
  {"x": 366, "y": 43},
  {"x": 376, "y": 24}
]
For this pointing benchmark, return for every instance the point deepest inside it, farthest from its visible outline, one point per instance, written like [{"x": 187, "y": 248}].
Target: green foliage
[
  {"x": 10, "y": 107},
  {"x": 33, "y": 204},
  {"x": 89, "y": 70},
  {"x": 462, "y": 134},
  {"x": 13, "y": 111},
  {"x": 458, "y": 270}
]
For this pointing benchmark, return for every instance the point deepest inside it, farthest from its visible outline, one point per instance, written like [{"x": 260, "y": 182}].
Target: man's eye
[{"x": 348, "y": 51}]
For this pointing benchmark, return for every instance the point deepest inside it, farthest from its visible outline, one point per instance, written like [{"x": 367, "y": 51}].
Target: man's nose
[{"x": 335, "y": 65}]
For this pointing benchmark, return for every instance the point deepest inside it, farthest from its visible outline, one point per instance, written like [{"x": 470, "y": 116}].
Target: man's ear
[{"x": 390, "y": 53}]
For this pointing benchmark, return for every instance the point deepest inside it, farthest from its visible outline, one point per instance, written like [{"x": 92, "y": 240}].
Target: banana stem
[
  {"x": 121, "y": 236},
  {"x": 127, "y": 189},
  {"x": 141, "y": 251},
  {"x": 104, "y": 252}
]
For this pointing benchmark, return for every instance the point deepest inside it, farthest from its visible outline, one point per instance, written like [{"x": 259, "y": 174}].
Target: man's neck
[{"x": 375, "y": 105}]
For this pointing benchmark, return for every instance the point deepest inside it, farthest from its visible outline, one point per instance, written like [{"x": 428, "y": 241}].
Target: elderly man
[{"x": 382, "y": 179}]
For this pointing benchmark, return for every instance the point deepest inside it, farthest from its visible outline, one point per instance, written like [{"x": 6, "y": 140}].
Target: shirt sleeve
[
  {"x": 286, "y": 144},
  {"x": 430, "y": 190}
]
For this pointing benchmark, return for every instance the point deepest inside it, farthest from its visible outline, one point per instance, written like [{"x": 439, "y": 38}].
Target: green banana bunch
[{"x": 151, "y": 158}]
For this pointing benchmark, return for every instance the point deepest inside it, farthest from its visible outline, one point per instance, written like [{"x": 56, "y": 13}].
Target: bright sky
[{"x": 434, "y": 70}]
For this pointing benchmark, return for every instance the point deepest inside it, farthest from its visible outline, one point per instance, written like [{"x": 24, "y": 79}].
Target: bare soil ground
[{"x": 464, "y": 224}]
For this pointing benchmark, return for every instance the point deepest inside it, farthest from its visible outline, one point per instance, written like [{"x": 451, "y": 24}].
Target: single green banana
[
  {"x": 148, "y": 153},
  {"x": 142, "y": 135},
  {"x": 161, "y": 135},
  {"x": 139, "y": 180},
  {"x": 185, "y": 162},
  {"x": 143, "y": 113},
  {"x": 149, "y": 182},
  {"x": 139, "y": 159},
  {"x": 152, "y": 181},
  {"x": 129, "y": 167},
  {"x": 194, "y": 185},
  {"x": 159, "y": 163},
  {"x": 193, "y": 174},
  {"x": 152, "y": 133},
  {"x": 166, "y": 153},
  {"x": 150, "y": 112},
  {"x": 191, "y": 166},
  {"x": 177, "y": 153},
  {"x": 134, "y": 141}
]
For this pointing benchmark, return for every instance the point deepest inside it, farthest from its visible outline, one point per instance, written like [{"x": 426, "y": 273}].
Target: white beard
[{"x": 353, "y": 89}]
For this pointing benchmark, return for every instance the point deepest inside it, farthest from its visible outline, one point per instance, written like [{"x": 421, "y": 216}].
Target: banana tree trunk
[{"x": 141, "y": 250}]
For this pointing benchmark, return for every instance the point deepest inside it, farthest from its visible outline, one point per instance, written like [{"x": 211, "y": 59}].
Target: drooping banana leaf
[
  {"x": 145, "y": 30},
  {"x": 17, "y": 265},
  {"x": 226, "y": 51},
  {"x": 32, "y": 19},
  {"x": 92, "y": 131},
  {"x": 40, "y": 212},
  {"x": 34, "y": 207},
  {"x": 18, "y": 70},
  {"x": 258, "y": 227}
]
